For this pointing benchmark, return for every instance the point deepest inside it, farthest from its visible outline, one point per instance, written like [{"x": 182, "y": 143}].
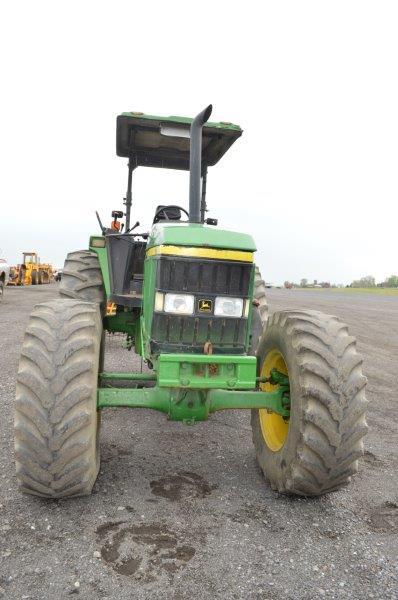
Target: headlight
[
  {"x": 228, "y": 307},
  {"x": 159, "y": 301},
  {"x": 181, "y": 304}
]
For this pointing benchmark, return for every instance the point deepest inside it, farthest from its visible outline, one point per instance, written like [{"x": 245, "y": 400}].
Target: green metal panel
[
  {"x": 250, "y": 315},
  {"x": 227, "y": 400},
  {"x": 139, "y": 341},
  {"x": 148, "y": 299},
  {"x": 155, "y": 398},
  {"x": 164, "y": 142},
  {"x": 103, "y": 261},
  {"x": 124, "y": 322},
  {"x": 196, "y": 234},
  {"x": 181, "y": 121},
  {"x": 206, "y": 371}
]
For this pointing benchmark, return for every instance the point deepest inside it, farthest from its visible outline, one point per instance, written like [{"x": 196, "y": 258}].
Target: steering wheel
[{"x": 163, "y": 210}]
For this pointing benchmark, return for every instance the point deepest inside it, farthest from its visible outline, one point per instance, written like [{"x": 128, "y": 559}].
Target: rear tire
[
  {"x": 56, "y": 418},
  {"x": 260, "y": 296},
  {"x": 260, "y": 310},
  {"x": 316, "y": 451},
  {"x": 82, "y": 277},
  {"x": 34, "y": 278},
  {"x": 2, "y": 288}
]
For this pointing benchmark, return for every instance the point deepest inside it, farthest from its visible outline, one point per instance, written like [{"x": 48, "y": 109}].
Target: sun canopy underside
[{"x": 164, "y": 141}]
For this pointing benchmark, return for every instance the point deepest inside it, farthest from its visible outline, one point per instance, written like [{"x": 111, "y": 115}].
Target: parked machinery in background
[{"x": 31, "y": 271}]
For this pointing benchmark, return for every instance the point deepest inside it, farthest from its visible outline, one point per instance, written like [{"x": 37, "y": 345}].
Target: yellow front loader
[{"x": 31, "y": 271}]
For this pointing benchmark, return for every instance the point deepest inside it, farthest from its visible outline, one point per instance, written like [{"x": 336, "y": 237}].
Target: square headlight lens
[
  {"x": 181, "y": 304},
  {"x": 228, "y": 307}
]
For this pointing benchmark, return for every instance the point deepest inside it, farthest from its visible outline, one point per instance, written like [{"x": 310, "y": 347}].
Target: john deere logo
[{"x": 205, "y": 305}]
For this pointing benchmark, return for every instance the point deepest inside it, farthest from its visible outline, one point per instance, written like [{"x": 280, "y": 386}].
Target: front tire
[
  {"x": 56, "y": 418},
  {"x": 316, "y": 450}
]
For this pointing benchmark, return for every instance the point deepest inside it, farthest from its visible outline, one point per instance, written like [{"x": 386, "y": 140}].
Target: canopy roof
[{"x": 164, "y": 141}]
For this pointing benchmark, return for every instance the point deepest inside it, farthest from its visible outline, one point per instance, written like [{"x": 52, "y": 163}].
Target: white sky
[{"x": 313, "y": 84}]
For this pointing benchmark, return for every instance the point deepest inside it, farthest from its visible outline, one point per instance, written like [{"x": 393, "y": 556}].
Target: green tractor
[{"x": 191, "y": 303}]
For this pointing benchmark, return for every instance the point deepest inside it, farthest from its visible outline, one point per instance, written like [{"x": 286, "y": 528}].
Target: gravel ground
[{"x": 184, "y": 512}]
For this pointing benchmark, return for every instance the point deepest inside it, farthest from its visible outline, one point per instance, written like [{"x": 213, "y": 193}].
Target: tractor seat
[{"x": 173, "y": 213}]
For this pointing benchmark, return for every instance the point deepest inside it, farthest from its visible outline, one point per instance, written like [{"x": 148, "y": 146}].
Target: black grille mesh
[{"x": 211, "y": 276}]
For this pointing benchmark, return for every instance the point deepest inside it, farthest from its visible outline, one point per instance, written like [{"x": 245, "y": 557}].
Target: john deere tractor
[{"x": 191, "y": 303}]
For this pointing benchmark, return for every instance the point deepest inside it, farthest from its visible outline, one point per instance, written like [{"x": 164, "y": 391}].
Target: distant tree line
[
  {"x": 364, "y": 282},
  {"x": 304, "y": 283},
  {"x": 391, "y": 281},
  {"x": 369, "y": 281}
]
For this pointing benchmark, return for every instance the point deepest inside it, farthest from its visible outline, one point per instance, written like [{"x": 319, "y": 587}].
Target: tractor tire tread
[
  {"x": 332, "y": 388},
  {"x": 55, "y": 415},
  {"x": 82, "y": 277},
  {"x": 259, "y": 294},
  {"x": 260, "y": 310}
]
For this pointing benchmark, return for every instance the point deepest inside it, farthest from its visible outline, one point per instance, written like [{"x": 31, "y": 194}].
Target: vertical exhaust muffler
[{"x": 195, "y": 164}]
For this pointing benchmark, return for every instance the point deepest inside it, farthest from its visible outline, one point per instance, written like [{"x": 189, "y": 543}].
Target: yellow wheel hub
[{"x": 273, "y": 427}]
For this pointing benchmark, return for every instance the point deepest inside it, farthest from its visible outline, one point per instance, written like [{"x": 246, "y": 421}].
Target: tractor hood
[
  {"x": 164, "y": 141},
  {"x": 192, "y": 234}
]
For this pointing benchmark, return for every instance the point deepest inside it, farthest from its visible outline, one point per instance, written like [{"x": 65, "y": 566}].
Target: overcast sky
[{"x": 313, "y": 85}]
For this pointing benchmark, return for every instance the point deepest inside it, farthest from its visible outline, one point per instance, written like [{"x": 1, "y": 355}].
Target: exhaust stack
[{"x": 195, "y": 163}]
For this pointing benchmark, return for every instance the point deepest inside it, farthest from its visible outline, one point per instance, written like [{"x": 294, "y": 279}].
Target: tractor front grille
[
  {"x": 214, "y": 277},
  {"x": 205, "y": 279}
]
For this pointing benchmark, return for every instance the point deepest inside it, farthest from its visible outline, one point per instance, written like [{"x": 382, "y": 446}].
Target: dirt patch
[
  {"x": 144, "y": 551},
  {"x": 385, "y": 518},
  {"x": 103, "y": 530},
  {"x": 249, "y": 513},
  {"x": 371, "y": 459},
  {"x": 181, "y": 486}
]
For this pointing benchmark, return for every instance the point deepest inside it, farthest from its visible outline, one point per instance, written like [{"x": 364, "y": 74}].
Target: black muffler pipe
[{"x": 195, "y": 163}]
